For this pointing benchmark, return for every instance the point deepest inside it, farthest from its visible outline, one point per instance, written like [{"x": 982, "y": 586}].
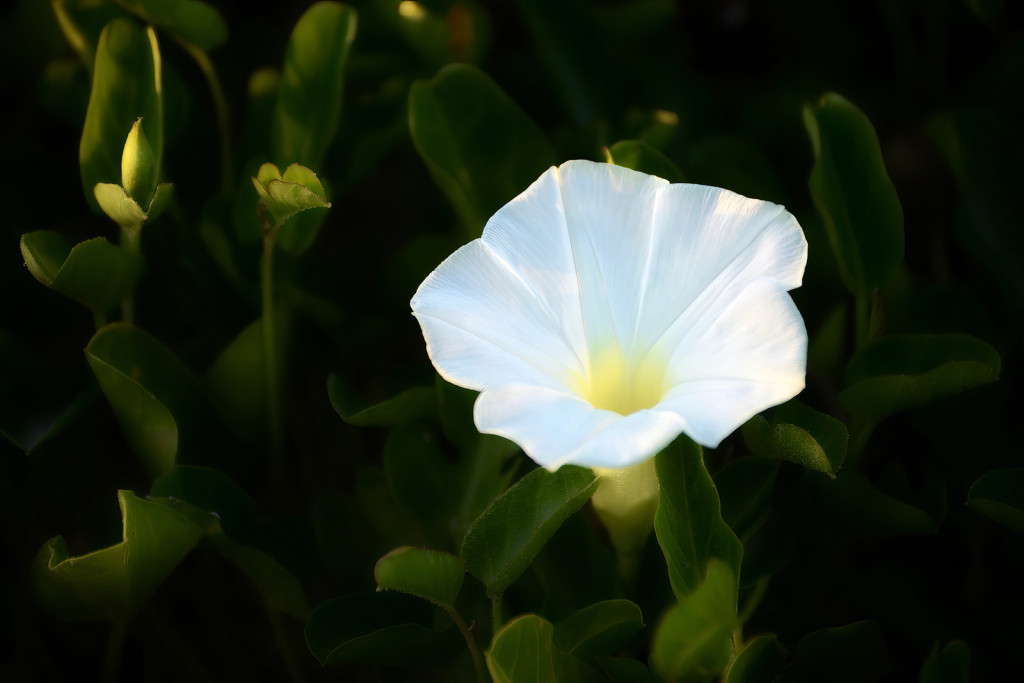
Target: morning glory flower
[{"x": 605, "y": 311}]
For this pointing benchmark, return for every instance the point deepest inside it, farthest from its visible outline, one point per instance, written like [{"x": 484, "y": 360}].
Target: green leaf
[
  {"x": 950, "y": 665},
  {"x": 999, "y": 495},
  {"x": 523, "y": 651},
  {"x": 600, "y": 629},
  {"x": 155, "y": 398},
  {"x": 433, "y": 575},
  {"x": 759, "y": 662},
  {"x": 284, "y": 200},
  {"x": 868, "y": 510},
  {"x": 118, "y": 206},
  {"x": 161, "y": 200},
  {"x": 82, "y": 26},
  {"x": 115, "y": 582},
  {"x": 854, "y": 195},
  {"x": 211, "y": 491},
  {"x": 481, "y": 149},
  {"x": 768, "y": 551},
  {"x": 385, "y": 629},
  {"x": 801, "y": 435},
  {"x": 689, "y": 522},
  {"x": 848, "y": 654},
  {"x": 745, "y": 489},
  {"x": 693, "y": 642},
  {"x": 901, "y": 371},
  {"x": 126, "y": 85},
  {"x": 623, "y": 670},
  {"x": 640, "y": 156},
  {"x": 236, "y": 384},
  {"x": 419, "y": 403},
  {"x": 197, "y": 22},
  {"x": 503, "y": 541},
  {"x": 420, "y": 476},
  {"x": 95, "y": 272},
  {"x": 310, "y": 94}
]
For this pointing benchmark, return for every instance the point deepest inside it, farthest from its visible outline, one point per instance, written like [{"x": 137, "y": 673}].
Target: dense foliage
[{"x": 225, "y": 454}]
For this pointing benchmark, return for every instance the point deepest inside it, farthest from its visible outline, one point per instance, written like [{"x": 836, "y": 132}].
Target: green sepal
[
  {"x": 95, "y": 273},
  {"x": 113, "y": 583},
  {"x": 119, "y": 207}
]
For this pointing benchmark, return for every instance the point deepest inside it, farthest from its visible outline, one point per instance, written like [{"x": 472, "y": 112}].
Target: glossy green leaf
[
  {"x": 950, "y": 665},
  {"x": 419, "y": 403},
  {"x": 623, "y": 670},
  {"x": 600, "y": 629},
  {"x": 853, "y": 194},
  {"x": 760, "y": 661},
  {"x": 503, "y": 541},
  {"x": 433, "y": 575},
  {"x": 388, "y": 628},
  {"x": 901, "y": 371},
  {"x": 801, "y": 435},
  {"x": 236, "y": 384},
  {"x": 115, "y": 582},
  {"x": 126, "y": 85},
  {"x": 197, "y": 22},
  {"x": 157, "y": 401},
  {"x": 689, "y": 522},
  {"x": 1000, "y": 496},
  {"x": 745, "y": 489},
  {"x": 310, "y": 93},
  {"x": 848, "y": 654},
  {"x": 95, "y": 272},
  {"x": 640, "y": 156},
  {"x": 481, "y": 149},
  {"x": 693, "y": 642},
  {"x": 523, "y": 651}
]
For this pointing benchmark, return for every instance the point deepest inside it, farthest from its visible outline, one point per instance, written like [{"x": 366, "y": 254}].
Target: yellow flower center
[{"x": 622, "y": 385}]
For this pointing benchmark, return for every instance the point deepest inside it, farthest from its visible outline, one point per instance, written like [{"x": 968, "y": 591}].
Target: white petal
[
  {"x": 529, "y": 233},
  {"x": 558, "y": 427},
  {"x": 609, "y": 212},
  {"x": 708, "y": 245},
  {"x": 485, "y": 327},
  {"x": 733, "y": 365}
]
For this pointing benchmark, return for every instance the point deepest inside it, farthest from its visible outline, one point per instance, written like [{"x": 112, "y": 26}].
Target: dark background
[{"x": 736, "y": 74}]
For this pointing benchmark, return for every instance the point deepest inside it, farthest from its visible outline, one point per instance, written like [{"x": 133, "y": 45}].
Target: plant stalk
[
  {"x": 294, "y": 672},
  {"x": 496, "y": 621},
  {"x": 131, "y": 241},
  {"x": 115, "y": 648},
  {"x": 276, "y": 422},
  {"x": 474, "y": 649}
]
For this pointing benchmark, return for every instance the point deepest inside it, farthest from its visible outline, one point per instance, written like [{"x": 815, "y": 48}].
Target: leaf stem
[
  {"x": 474, "y": 648},
  {"x": 115, "y": 648},
  {"x": 131, "y": 241},
  {"x": 496, "y": 621},
  {"x": 294, "y": 672},
  {"x": 270, "y": 352},
  {"x": 220, "y": 104}
]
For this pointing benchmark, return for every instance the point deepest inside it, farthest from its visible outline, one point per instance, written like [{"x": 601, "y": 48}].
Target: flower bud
[{"x": 138, "y": 166}]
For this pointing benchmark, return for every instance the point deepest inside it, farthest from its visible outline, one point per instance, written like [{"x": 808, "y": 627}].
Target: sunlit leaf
[
  {"x": 503, "y": 541},
  {"x": 999, "y": 495},
  {"x": 126, "y": 85},
  {"x": 481, "y": 149},
  {"x": 640, "y": 156},
  {"x": 600, "y": 629},
  {"x": 115, "y": 582},
  {"x": 760, "y": 661},
  {"x": 901, "y": 371},
  {"x": 95, "y": 272},
  {"x": 433, "y": 575},
  {"x": 689, "y": 522},
  {"x": 693, "y": 642},
  {"x": 387, "y": 628},
  {"x": 853, "y": 194},
  {"x": 118, "y": 206},
  {"x": 848, "y": 654}
]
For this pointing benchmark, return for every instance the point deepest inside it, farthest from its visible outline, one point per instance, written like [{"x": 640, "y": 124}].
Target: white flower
[{"x": 604, "y": 311}]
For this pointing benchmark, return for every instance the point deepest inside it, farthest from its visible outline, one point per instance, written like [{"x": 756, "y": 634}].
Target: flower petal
[
  {"x": 708, "y": 242},
  {"x": 557, "y": 427},
  {"x": 731, "y": 366},
  {"x": 609, "y": 212},
  {"x": 485, "y": 327}
]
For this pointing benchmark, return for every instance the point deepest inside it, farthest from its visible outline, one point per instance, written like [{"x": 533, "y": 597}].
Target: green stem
[
  {"x": 131, "y": 241},
  {"x": 496, "y": 621},
  {"x": 220, "y": 104},
  {"x": 294, "y": 672},
  {"x": 115, "y": 648},
  {"x": 270, "y": 353},
  {"x": 863, "y": 320},
  {"x": 474, "y": 649}
]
